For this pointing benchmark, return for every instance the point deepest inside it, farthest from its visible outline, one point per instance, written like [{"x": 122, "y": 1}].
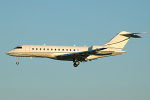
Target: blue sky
[{"x": 74, "y": 22}]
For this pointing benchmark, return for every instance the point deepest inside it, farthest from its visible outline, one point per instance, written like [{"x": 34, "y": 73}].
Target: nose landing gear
[{"x": 17, "y": 61}]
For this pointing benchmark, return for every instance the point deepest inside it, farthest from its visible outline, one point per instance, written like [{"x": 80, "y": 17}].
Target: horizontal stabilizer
[{"x": 134, "y": 35}]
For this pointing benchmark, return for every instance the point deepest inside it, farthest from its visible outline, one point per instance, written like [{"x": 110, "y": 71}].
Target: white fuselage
[{"x": 54, "y": 51}]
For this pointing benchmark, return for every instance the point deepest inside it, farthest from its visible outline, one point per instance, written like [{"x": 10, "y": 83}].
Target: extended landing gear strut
[
  {"x": 76, "y": 62},
  {"x": 17, "y": 61}
]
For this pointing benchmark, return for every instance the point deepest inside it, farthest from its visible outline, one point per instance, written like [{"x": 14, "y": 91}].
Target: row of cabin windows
[{"x": 55, "y": 49}]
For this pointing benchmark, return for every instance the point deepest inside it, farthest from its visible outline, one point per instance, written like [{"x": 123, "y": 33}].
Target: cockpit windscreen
[{"x": 19, "y": 47}]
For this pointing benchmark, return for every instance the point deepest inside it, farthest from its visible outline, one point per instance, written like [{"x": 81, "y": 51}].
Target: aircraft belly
[
  {"x": 33, "y": 54},
  {"x": 44, "y": 55}
]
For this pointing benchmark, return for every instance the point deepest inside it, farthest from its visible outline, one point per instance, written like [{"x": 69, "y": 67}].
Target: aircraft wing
[{"x": 79, "y": 55}]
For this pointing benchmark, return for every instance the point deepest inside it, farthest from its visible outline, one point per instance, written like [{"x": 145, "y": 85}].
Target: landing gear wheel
[
  {"x": 76, "y": 62},
  {"x": 75, "y": 65},
  {"x": 17, "y": 62}
]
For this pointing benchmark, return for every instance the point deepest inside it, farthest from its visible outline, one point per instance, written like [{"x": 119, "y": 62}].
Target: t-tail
[{"x": 120, "y": 40}]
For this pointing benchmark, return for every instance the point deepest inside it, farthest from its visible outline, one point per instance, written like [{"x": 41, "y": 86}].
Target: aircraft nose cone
[
  {"x": 8, "y": 53},
  {"x": 11, "y": 52}
]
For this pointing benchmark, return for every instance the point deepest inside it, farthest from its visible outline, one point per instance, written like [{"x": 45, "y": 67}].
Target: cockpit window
[{"x": 19, "y": 47}]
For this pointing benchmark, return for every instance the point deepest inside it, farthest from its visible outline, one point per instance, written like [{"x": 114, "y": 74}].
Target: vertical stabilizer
[{"x": 119, "y": 41}]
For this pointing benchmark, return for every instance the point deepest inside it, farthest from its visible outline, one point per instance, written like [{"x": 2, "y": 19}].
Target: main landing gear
[
  {"x": 17, "y": 61},
  {"x": 76, "y": 62}
]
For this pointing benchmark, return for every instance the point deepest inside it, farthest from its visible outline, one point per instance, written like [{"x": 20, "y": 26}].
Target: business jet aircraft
[{"x": 75, "y": 53}]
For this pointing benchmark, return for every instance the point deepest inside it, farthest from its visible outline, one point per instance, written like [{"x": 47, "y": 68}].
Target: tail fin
[{"x": 120, "y": 40}]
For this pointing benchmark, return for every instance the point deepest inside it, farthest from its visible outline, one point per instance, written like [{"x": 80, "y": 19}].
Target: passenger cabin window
[
  {"x": 51, "y": 49},
  {"x": 47, "y": 49},
  {"x": 44, "y": 49},
  {"x": 62, "y": 49},
  {"x": 66, "y": 49},
  {"x": 55, "y": 49},
  {"x": 36, "y": 48},
  {"x": 74, "y": 50},
  {"x": 70, "y": 49},
  {"x": 58, "y": 49},
  {"x": 32, "y": 48},
  {"x": 40, "y": 49}
]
